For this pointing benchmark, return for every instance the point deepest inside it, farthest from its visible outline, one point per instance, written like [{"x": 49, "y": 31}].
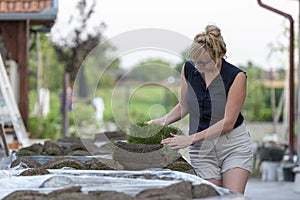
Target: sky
[{"x": 247, "y": 28}]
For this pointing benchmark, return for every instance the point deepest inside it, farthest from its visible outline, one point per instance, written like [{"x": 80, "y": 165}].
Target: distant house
[
  {"x": 16, "y": 18},
  {"x": 275, "y": 79}
]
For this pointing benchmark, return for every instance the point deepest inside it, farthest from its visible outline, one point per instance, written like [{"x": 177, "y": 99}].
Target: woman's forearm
[
  {"x": 213, "y": 131},
  {"x": 177, "y": 113}
]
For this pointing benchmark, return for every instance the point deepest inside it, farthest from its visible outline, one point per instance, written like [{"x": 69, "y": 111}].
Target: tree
[
  {"x": 73, "y": 50},
  {"x": 257, "y": 104},
  {"x": 145, "y": 71},
  {"x": 184, "y": 56}
]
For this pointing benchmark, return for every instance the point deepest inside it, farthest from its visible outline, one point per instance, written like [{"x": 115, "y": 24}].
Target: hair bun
[{"x": 212, "y": 41}]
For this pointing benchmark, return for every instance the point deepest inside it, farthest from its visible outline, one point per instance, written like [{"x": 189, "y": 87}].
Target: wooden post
[
  {"x": 4, "y": 142},
  {"x": 64, "y": 110},
  {"x": 16, "y": 37},
  {"x": 22, "y": 58}
]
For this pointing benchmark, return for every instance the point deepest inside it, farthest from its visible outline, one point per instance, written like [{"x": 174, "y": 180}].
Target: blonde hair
[{"x": 210, "y": 41}]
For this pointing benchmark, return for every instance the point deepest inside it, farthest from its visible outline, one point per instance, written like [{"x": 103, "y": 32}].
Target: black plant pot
[{"x": 288, "y": 174}]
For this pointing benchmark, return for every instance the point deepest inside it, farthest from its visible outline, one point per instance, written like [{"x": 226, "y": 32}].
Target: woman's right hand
[{"x": 159, "y": 121}]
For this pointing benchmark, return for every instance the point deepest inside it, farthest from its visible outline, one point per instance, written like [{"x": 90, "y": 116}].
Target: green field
[
  {"x": 124, "y": 105},
  {"x": 137, "y": 103}
]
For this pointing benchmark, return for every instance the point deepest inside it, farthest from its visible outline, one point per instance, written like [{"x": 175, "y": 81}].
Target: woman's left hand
[{"x": 178, "y": 141}]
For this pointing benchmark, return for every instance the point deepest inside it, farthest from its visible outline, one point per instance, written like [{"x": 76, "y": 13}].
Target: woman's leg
[{"x": 235, "y": 179}]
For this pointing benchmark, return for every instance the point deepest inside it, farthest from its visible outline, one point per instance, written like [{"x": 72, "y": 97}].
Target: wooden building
[{"x": 16, "y": 18}]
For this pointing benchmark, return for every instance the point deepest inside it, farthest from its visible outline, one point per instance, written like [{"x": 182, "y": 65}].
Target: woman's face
[{"x": 205, "y": 63}]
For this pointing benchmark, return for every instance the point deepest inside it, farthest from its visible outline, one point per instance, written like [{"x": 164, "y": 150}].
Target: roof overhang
[{"x": 46, "y": 15}]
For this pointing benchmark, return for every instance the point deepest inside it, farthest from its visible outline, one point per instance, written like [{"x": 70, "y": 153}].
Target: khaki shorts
[{"x": 210, "y": 158}]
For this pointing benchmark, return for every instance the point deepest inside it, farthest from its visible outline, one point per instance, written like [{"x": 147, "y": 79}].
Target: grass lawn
[{"x": 140, "y": 103}]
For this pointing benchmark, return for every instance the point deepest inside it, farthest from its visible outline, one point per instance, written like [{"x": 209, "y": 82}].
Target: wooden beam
[
  {"x": 23, "y": 51},
  {"x": 4, "y": 142},
  {"x": 8, "y": 30},
  {"x": 16, "y": 36}
]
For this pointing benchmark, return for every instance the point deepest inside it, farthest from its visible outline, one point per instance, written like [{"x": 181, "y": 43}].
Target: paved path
[{"x": 259, "y": 190}]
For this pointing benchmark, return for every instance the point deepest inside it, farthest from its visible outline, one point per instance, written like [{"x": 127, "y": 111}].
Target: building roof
[{"x": 34, "y": 10}]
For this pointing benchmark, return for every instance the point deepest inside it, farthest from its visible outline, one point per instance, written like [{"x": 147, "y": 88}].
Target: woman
[{"x": 212, "y": 93}]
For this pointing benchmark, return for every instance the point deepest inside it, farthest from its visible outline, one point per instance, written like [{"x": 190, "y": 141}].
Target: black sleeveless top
[{"x": 207, "y": 106}]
